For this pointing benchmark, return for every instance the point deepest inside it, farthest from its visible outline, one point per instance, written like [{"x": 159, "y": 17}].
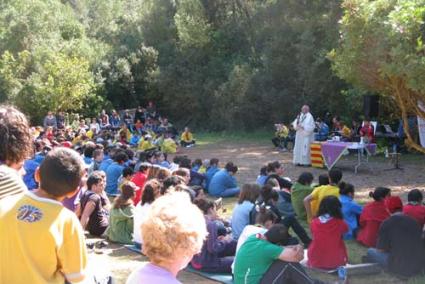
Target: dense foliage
[
  {"x": 382, "y": 50},
  {"x": 216, "y": 64}
]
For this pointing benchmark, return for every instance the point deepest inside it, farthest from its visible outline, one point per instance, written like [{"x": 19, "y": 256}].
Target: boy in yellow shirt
[
  {"x": 41, "y": 241},
  {"x": 312, "y": 201},
  {"x": 186, "y": 140}
]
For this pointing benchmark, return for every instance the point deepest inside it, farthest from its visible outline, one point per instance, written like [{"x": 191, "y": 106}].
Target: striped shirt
[{"x": 10, "y": 182}]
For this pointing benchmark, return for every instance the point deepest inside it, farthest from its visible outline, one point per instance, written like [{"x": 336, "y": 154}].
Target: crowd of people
[{"x": 114, "y": 190}]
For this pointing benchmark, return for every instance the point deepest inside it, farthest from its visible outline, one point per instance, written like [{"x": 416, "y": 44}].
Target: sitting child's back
[{"x": 41, "y": 241}]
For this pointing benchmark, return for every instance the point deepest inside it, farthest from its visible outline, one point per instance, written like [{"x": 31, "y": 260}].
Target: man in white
[{"x": 304, "y": 125}]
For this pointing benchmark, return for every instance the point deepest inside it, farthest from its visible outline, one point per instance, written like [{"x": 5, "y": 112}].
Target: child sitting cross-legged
[
  {"x": 327, "y": 250},
  {"x": 120, "y": 228},
  {"x": 41, "y": 241}
]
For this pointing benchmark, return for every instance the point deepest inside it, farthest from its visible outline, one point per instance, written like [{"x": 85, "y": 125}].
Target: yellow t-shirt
[
  {"x": 319, "y": 193},
  {"x": 40, "y": 241},
  {"x": 346, "y": 132},
  {"x": 283, "y": 132},
  {"x": 169, "y": 146},
  {"x": 186, "y": 137}
]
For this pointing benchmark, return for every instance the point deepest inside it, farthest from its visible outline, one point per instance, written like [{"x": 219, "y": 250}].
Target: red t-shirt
[
  {"x": 417, "y": 212},
  {"x": 371, "y": 218},
  {"x": 327, "y": 250},
  {"x": 139, "y": 179}
]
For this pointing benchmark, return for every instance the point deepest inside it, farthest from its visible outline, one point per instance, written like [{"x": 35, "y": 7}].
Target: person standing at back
[
  {"x": 15, "y": 147},
  {"x": 304, "y": 125}
]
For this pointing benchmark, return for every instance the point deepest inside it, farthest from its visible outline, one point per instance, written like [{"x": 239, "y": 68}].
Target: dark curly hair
[{"x": 15, "y": 138}]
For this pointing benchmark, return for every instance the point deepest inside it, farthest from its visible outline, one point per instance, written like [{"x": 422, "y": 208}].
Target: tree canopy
[
  {"x": 381, "y": 49},
  {"x": 216, "y": 64}
]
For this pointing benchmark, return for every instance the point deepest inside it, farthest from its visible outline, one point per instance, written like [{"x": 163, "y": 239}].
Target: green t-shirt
[
  {"x": 120, "y": 228},
  {"x": 298, "y": 193},
  {"x": 253, "y": 260}
]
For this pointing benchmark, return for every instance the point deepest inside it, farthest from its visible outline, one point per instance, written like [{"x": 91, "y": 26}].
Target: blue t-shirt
[
  {"x": 240, "y": 218},
  {"x": 261, "y": 180},
  {"x": 30, "y": 166},
  {"x": 350, "y": 211},
  {"x": 113, "y": 173},
  {"x": 211, "y": 171},
  {"x": 105, "y": 164},
  {"x": 221, "y": 181},
  {"x": 87, "y": 160}
]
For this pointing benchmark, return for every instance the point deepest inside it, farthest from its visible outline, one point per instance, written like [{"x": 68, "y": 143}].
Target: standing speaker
[{"x": 371, "y": 106}]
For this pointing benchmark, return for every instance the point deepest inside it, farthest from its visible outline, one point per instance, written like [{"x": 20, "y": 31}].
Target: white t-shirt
[
  {"x": 247, "y": 232},
  {"x": 140, "y": 214}
]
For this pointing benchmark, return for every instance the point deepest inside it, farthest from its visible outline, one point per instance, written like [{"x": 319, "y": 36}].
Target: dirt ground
[{"x": 250, "y": 156}]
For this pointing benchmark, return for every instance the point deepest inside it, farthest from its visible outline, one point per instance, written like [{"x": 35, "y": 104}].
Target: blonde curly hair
[{"x": 174, "y": 228}]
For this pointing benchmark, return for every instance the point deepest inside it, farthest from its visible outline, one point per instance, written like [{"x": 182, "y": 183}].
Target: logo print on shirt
[{"x": 29, "y": 213}]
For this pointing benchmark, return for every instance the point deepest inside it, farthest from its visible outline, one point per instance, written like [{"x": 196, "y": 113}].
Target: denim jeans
[
  {"x": 230, "y": 192},
  {"x": 377, "y": 256}
]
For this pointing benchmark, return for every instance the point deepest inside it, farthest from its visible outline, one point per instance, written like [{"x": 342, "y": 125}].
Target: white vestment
[{"x": 303, "y": 138}]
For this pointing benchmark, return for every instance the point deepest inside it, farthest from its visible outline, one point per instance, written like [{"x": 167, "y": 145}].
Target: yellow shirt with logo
[
  {"x": 40, "y": 241},
  {"x": 319, "y": 193}
]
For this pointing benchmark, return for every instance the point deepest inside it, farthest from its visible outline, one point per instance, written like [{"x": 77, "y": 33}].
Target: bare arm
[
  {"x": 292, "y": 254},
  {"x": 88, "y": 209},
  {"x": 307, "y": 205}
]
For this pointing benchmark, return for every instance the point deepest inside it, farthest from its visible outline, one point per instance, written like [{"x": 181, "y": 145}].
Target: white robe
[{"x": 303, "y": 139}]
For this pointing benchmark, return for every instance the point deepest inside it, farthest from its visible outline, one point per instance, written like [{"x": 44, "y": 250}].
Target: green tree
[{"x": 381, "y": 50}]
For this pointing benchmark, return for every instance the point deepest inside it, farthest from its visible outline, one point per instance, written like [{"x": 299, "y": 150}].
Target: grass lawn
[{"x": 355, "y": 253}]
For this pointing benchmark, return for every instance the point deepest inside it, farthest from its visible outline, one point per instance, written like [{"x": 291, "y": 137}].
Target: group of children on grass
[{"x": 154, "y": 206}]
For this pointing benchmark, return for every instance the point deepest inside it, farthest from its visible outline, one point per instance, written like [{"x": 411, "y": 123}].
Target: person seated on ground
[
  {"x": 374, "y": 213},
  {"x": 312, "y": 201},
  {"x": 30, "y": 167},
  {"x": 139, "y": 180},
  {"x": 414, "y": 208},
  {"x": 161, "y": 159},
  {"x": 270, "y": 198},
  {"x": 114, "y": 171},
  {"x": 139, "y": 114},
  {"x": 104, "y": 120},
  {"x": 127, "y": 176},
  {"x": 204, "y": 166},
  {"x": 173, "y": 232},
  {"x": 146, "y": 144},
  {"x": 284, "y": 203},
  {"x": 196, "y": 165},
  {"x": 186, "y": 139},
  {"x": 262, "y": 177},
  {"x": 124, "y": 134},
  {"x": 128, "y": 120},
  {"x": 115, "y": 120},
  {"x": 280, "y": 139},
  {"x": 218, "y": 252},
  {"x": 95, "y": 205},
  {"x": 327, "y": 250},
  {"x": 16, "y": 147},
  {"x": 242, "y": 210},
  {"x": 323, "y": 180},
  {"x": 151, "y": 191},
  {"x": 275, "y": 170},
  {"x": 169, "y": 146},
  {"x": 350, "y": 209},
  {"x": 138, "y": 127},
  {"x": 367, "y": 132},
  {"x": 300, "y": 190},
  {"x": 98, "y": 156},
  {"x": 260, "y": 251},
  {"x": 322, "y": 130},
  {"x": 44, "y": 242},
  {"x": 211, "y": 171},
  {"x": 196, "y": 179},
  {"x": 400, "y": 247},
  {"x": 223, "y": 183},
  {"x": 120, "y": 228},
  {"x": 394, "y": 204}
]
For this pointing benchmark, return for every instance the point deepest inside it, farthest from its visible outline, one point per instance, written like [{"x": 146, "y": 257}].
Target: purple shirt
[{"x": 150, "y": 273}]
